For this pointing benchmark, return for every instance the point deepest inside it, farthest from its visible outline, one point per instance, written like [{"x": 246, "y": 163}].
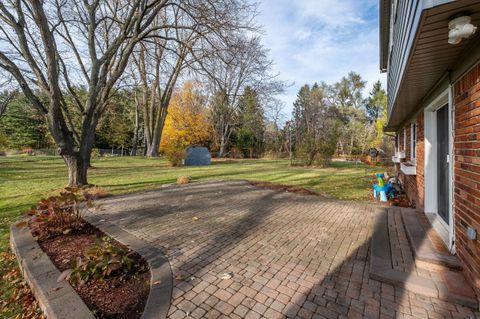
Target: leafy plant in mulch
[
  {"x": 100, "y": 261},
  {"x": 61, "y": 214}
]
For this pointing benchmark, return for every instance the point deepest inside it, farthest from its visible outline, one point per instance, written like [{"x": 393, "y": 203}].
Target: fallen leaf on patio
[
  {"x": 226, "y": 276},
  {"x": 64, "y": 275},
  {"x": 179, "y": 277},
  {"x": 158, "y": 282}
]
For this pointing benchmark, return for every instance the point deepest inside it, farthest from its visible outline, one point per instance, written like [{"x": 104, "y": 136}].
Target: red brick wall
[
  {"x": 407, "y": 147},
  {"x": 467, "y": 170},
  {"x": 410, "y": 186},
  {"x": 420, "y": 160},
  {"x": 414, "y": 185},
  {"x": 402, "y": 147}
]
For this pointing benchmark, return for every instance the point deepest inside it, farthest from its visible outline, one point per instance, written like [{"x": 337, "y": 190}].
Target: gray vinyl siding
[
  {"x": 404, "y": 29},
  {"x": 406, "y": 20}
]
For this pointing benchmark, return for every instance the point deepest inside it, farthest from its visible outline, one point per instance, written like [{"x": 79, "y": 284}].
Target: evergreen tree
[
  {"x": 315, "y": 124},
  {"x": 377, "y": 114},
  {"x": 116, "y": 128},
  {"x": 23, "y": 126},
  {"x": 251, "y": 122},
  {"x": 376, "y": 102}
]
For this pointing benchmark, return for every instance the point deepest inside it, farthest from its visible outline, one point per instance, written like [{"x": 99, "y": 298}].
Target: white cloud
[
  {"x": 321, "y": 40},
  {"x": 333, "y": 13}
]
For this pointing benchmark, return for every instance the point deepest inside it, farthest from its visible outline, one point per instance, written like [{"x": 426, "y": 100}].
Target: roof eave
[{"x": 385, "y": 8}]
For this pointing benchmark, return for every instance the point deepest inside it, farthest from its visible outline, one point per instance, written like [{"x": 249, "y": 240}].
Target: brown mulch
[
  {"x": 285, "y": 188},
  {"x": 113, "y": 297}
]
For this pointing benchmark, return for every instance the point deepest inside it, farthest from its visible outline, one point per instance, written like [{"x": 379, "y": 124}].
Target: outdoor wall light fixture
[{"x": 460, "y": 28}]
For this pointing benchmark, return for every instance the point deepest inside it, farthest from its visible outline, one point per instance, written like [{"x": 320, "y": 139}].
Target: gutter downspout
[{"x": 451, "y": 107}]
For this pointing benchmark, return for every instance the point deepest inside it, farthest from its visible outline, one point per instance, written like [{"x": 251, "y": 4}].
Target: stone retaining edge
[
  {"x": 58, "y": 300},
  {"x": 161, "y": 279}
]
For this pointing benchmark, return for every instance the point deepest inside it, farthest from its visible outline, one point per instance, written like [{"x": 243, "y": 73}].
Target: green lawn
[{"x": 24, "y": 180}]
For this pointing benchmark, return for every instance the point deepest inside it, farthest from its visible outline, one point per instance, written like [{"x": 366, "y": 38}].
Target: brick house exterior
[
  {"x": 434, "y": 96},
  {"x": 467, "y": 169}
]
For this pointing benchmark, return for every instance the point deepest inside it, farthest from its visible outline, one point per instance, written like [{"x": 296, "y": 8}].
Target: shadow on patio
[{"x": 289, "y": 255}]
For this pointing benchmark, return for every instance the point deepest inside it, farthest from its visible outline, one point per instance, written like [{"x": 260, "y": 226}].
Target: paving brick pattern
[{"x": 290, "y": 255}]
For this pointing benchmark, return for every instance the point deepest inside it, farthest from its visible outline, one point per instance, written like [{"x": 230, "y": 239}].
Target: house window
[
  {"x": 397, "y": 143},
  {"x": 413, "y": 141},
  {"x": 404, "y": 146}
]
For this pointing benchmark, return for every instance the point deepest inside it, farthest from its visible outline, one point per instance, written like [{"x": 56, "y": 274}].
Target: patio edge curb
[
  {"x": 56, "y": 299},
  {"x": 161, "y": 279}
]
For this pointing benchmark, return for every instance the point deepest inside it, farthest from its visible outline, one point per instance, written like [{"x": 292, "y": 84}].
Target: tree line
[
  {"x": 72, "y": 60},
  {"x": 156, "y": 76},
  {"x": 336, "y": 119},
  {"x": 195, "y": 117},
  {"x": 327, "y": 120}
]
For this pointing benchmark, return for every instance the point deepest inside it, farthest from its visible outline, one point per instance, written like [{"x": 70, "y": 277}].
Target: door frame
[{"x": 446, "y": 231}]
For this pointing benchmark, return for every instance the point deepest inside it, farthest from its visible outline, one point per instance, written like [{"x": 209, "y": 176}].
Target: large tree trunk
[
  {"x": 221, "y": 151},
  {"x": 152, "y": 149},
  {"x": 136, "y": 129},
  {"x": 77, "y": 170}
]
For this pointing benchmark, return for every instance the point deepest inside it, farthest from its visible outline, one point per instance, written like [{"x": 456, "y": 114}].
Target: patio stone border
[
  {"x": 161, "y": 279},
  {"x": 58, "y": 300}
]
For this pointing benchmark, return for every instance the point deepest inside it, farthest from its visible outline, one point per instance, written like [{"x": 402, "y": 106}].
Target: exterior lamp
[{"x": 460, "y": 28}]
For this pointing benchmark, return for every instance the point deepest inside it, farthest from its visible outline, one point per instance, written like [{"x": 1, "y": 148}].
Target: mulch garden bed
[
  {"x": 285, "y": 188},
  {"x": 116, "y": 296}
]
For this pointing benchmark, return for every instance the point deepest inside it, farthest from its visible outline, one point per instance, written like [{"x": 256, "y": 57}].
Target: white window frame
[
  {"x": 397, "y": 143},
  {"x": 404, "y": 149},
  {"x": 413, "y": 142}
]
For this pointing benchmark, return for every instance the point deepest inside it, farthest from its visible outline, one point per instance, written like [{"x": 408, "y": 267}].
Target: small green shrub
[{"x": 100, "y": 261}]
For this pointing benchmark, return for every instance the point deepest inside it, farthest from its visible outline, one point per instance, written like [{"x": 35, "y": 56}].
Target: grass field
[{"x": 24, "y": 180}]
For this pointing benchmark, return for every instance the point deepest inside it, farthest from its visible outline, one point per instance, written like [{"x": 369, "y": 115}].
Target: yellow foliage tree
[{"x": 186, "y": 123}]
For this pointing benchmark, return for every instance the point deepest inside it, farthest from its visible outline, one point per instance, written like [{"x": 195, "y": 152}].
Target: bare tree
[
  {"x": 5, "y": 100},
  {"x": 159, "y": 64},
  {"x": 196, "y": 29},
  {"x": 136, "y": 129},
  {"x": 51, "y": 47},
  {"x": 243, "y": 62},
  {"x": 275, "y": 116}
]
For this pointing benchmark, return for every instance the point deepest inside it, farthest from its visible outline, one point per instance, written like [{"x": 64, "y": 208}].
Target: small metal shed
[{"x": 198, "y": 156}]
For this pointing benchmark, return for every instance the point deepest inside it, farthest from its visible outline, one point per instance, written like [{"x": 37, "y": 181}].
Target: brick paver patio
[{"x": 288, "y": 255}]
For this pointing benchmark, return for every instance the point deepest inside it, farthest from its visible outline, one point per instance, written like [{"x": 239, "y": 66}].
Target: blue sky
[{"x": 321, "y": 40}]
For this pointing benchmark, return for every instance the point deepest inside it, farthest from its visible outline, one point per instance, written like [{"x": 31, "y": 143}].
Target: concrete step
[
  {"x": 444, "y": 283},
  {"x": 422, "y": 248}
]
